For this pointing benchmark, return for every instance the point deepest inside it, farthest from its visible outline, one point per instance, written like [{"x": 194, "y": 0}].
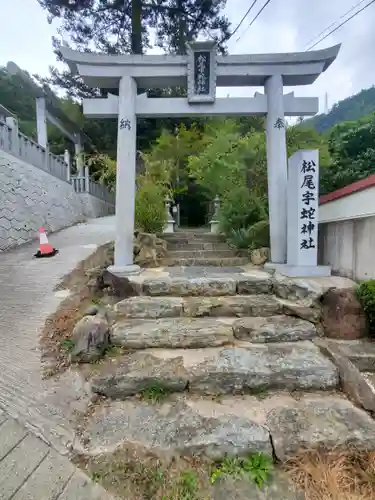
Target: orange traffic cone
[{"x": 45, "y": 248}]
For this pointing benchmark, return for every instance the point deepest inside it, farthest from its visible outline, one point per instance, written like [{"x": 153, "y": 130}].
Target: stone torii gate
[{"x": 201, "y": 71}]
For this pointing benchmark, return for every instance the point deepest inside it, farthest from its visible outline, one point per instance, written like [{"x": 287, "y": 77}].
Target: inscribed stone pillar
[
  {"x": 276, "y": 167},
  {"x": 125, "y": 179},
  {"x": 303, "y": 206}
]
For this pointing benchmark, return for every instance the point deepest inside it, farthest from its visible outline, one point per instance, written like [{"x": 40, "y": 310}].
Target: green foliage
[
  {"x": 366, "y": 297},
  {"x": 150, "y": 213},
  {"x": 102, "y": 169},
  {"x": 240, "y": 238},
  {"x": 352, "y": 148},
  {"x": 239, "y": 209},
  {"x": 254, "y": 236},
  {"x": 259, "y": 234},
  {"x": 67, "y": 345},
  {"x": 155, "y": 393},
  {"x": 256, "y": 467},
  {"x": 352, "y": 108}
]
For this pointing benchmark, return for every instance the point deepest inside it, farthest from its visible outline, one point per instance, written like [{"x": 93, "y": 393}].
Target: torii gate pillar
[
  {"x": 277, "y": 173},
  {"x": 125, "y": 179}
]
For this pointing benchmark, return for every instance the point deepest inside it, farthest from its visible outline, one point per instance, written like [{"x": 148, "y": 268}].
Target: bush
[
  {"x": 238, "y": 209},
  {"x": 259, "y": 234},
  {"x": 150, "y": 212},
  {"x": 240, "y": 238},
  {"x": 366, "y": 297}
]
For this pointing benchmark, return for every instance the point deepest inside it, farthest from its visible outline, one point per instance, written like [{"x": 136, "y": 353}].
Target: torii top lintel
[{"x": 158, "y": 71}]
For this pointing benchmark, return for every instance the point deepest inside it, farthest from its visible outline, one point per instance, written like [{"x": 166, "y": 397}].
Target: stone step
[
  {"x": 279, "y": 424},
  {"x": 206, "y": 261},
  {"x": 214, "y": 285},
  {"x": 210, "y": 332},
  {"x": 204, "y": 254},
  {"x": 193, "y": 236},
  {"x": 210, "y": 246},
  {"x": 360, "y": 352},
  {"x": 242, "y": 368},
  {"x": 169, "y": 307}
]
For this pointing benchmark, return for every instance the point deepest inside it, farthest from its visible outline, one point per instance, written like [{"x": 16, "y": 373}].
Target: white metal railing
[
  {"x": 18, "y": 144},
  {"x": 14, "y": 142},
  {"x": 83, "y": 185}
]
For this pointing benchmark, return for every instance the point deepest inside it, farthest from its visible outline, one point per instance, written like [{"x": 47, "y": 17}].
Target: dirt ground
[{"x": 55, "y": 336}]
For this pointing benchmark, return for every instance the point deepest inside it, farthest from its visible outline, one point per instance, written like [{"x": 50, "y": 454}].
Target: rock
[
  {"x": 150, "y": 307},
  {"x": 259, "y": 256},
  {"x": 90, "y": 337},
  {"x": 175, "y": 428},
  {"x": 360, "y": 352},
  {"x": 277, "y": 487},
  {"x": 319, "y": 422},
  {"x": 304, "y": 309},
  {"x": 273, "y": 329},
  {"x": 353, "y": 382},
  {"x": 342, "y": 315},
  {"x": 253, "y": 283},
  {"x": 249, "y": 368},
  {"x": 91, "y": 311},
  {"x": 232, "y": 306},
  {"x": 118, "y": 287},
  {"x": 149, "y": 250},
  {"x": 263, "y": 367},
  {"x": 132, "y": 376},
  {"x": 181, "y": 287},
  {"x": 296, "y": 288},
  {"x": 172, "y": 333}
]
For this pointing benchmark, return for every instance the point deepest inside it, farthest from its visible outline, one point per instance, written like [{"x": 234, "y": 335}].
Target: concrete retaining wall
[{"x": 31, "y": 198}]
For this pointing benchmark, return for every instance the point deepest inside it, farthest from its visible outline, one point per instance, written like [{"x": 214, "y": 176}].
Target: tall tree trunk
[
  {"x": 136, "y": 37},
  {"x": 181, "y": 27}
]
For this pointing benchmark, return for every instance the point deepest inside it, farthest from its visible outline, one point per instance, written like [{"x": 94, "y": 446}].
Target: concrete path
[
  {"x": 27, "y": 299},
  {"x": 31, "y": 470}
]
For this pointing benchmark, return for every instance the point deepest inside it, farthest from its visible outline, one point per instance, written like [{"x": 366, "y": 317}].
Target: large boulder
[
  {"x": 91, "y": 337},
  {"x": 149, "y": 250},
  {"x": 342, "y": 315},
  {"x": 259, "y": 256}
]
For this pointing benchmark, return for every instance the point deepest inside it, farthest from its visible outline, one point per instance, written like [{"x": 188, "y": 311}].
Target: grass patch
[
  {"x": 155, "y": 393},
  {"x": 67, "y": 345},
  {"x": 341, "y": 475},
  {"x": 135, "y": 475},
  {"x": 256, "y": 467}
]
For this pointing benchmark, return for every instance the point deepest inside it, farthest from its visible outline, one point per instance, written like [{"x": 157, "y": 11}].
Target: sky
[{"x": 283, "y": 26}]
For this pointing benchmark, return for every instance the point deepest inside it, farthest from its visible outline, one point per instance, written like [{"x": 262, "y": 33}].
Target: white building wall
[{"x": 347, "y": 234}]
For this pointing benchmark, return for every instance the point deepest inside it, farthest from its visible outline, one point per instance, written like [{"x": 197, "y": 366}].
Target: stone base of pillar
[
  {"x": 299, "y": 271},
  {"x": 214, "y": 226},
  {"x": 124, "y": 271},
  {"x": 169, "y": 227}
]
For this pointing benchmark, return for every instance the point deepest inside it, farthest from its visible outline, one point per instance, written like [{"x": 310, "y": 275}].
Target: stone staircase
[
  {"x": 221, "y": 361},
  {"x": 197, "y": 248}
]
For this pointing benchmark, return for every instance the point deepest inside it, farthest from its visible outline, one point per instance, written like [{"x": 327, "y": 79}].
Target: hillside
[{"x": 350, "y": 109}]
